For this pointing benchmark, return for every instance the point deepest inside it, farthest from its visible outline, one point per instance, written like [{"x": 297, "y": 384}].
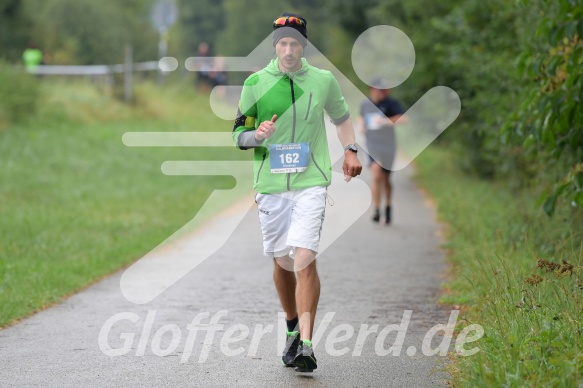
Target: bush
[{"x": 19, "y": 94}]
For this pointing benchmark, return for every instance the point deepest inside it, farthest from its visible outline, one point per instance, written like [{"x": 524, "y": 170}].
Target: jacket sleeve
[
  {"x": 335, "y": 105},
  {"x": 244, "y": 127}
]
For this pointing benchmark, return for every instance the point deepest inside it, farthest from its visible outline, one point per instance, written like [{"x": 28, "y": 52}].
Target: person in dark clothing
[{"x": 378, "y": 115}]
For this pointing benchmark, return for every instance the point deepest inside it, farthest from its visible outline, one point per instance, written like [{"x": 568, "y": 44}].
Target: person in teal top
[
  {"x": 281, "y": 117},
  {"x": 32, "y": 58}
]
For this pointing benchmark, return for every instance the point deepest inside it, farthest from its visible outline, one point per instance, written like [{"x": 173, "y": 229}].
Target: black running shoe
[
  {"x": 291, "y": 348},
  {"x": 305, "y": 360},
  {"x": 388, "y": 215}
]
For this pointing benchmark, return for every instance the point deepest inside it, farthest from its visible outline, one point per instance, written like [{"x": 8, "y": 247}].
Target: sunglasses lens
[
  {"x": 295, "y": 21},
  {"x": 280, "y": 21},
  {"x": 291, "y": 20}
]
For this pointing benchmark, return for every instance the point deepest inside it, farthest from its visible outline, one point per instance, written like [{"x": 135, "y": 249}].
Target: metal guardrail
[{"x": 126, "y": 69}]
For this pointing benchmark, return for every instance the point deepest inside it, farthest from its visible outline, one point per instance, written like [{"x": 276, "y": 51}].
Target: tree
[
  {"x": 549, "y": 122},
  {"x": 200, "y": 21},
  {"x": 14, "y": 30},
  {"x": 86, "y": 32},
  {"x": 244, "y": 30}
]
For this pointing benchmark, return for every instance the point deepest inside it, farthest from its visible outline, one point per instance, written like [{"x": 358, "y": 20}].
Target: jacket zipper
[
  {"x": 293, "y": 96},
  {"x": 318, "y": 167},
  {"x": 260, "y": 167},
  {"x": 309, "y": 105}
]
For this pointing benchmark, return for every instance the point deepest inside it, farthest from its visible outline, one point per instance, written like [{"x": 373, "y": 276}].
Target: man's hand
[
  {"x": 265, "y": 129},
  {"x": 351, "y": 166}
]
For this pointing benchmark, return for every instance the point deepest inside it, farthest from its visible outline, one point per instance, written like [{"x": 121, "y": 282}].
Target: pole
[
  {"x": 162, "y": 50},
  {"x": 128, "y": 74}
]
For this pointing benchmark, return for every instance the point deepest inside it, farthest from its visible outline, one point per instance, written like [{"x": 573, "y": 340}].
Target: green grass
[
  {"x": 532, "y": 317},
  {"x": 76, "y": 204}
]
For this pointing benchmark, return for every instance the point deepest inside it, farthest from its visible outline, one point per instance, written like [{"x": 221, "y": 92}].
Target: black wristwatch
[{"x": 351, "y": 147}]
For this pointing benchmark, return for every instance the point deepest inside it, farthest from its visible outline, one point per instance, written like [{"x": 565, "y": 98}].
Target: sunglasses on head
[{"x": 288, "y": 21}]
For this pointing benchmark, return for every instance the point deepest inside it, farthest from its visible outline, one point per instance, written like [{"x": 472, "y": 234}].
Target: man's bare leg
[
  {"x": 307, "y": 290},
  {"x": 284, "y": 278}
]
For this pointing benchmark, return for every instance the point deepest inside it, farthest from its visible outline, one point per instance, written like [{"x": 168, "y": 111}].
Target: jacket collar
[{"x": 273, "y": 68}]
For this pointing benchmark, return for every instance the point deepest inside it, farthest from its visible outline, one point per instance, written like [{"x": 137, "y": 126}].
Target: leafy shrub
[{"x": 19, "y": 94}]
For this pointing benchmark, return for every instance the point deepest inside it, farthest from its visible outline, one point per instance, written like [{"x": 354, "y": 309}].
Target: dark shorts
[{"x": 371, "y": 161}]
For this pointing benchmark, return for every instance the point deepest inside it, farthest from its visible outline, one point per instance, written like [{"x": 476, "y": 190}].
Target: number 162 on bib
[{"x": 289, "y": 158}]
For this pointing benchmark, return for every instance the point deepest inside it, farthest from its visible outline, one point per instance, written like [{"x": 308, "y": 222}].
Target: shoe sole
[
  {"x": 290, "y": 365},
  {"x": 305, "y": 364}
]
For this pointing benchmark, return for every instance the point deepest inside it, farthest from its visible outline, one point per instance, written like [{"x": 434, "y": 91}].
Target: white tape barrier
[{"x": 94, "y": 69}]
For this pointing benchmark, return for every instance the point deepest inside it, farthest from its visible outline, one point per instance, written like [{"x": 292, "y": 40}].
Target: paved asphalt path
[{"x": 370, "y": 275}]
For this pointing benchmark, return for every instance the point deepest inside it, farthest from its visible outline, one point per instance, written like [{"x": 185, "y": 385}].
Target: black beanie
[{"x": 300, "y": 33}]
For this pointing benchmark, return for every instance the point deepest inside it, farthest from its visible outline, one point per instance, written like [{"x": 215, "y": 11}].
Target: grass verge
[
  {"x": 76, "y": 204},
  {"x": 516, "y": 272}
]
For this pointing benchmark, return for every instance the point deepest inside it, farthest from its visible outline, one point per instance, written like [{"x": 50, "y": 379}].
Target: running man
[
  {"x": 378, "y": 115},
  {"x": 281, "y": 117}
]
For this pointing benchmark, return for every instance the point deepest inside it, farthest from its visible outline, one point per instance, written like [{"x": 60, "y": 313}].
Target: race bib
[
  {"x": 372, "y": 120},
  {"x": 287, "y": 158}
]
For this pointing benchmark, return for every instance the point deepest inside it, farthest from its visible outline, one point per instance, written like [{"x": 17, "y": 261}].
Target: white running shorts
[{"x": 291, "y": 219}]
